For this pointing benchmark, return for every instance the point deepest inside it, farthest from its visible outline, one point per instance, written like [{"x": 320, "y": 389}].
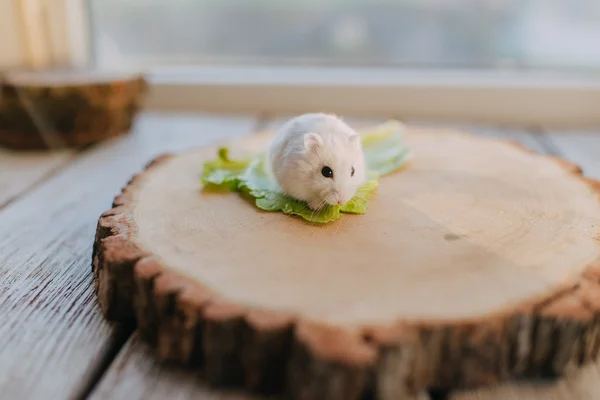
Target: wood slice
[
  {"x": 57, "y": 109},
  {"x": 478, "y": 262}
]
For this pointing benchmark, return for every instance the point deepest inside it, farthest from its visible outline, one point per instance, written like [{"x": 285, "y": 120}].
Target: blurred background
[
  {"x": 534, "y": 62},
  {"x": 448, "y": 34}
]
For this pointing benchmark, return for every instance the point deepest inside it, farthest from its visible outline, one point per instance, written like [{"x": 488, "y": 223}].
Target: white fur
[{"x": 307, "y": 143}]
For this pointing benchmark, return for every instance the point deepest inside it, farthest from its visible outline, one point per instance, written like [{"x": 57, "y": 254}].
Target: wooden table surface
[{"x": 54, "y": 343}]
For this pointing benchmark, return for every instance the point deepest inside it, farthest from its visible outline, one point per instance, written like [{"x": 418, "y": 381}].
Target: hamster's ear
[
  {"x": 354, "y": 140},
  {"x": 312, "y": 140}
]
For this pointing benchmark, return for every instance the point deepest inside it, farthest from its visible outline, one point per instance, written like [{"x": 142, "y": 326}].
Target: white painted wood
[
  {"x": 583, "y": 384},
  {"x": 581, "y": 147},
  {"x": 529, "y": 139},
  {"x": 52, "y": 335},
  {"x": 20, "y": 171},
  {"x": 136, "y": 374},
  {"x": 272, "y": 123},
  {"x": 530, "y": 99}
]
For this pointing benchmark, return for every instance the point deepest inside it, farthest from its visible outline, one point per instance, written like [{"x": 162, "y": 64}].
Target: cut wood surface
[
  {"x": 53, "y": 109},
  {"x": 19, "y": 171},
  {"x": 582, "y": 148},
  {"x": 53, "y": 340},
  {"x": 479, "y": 268}
]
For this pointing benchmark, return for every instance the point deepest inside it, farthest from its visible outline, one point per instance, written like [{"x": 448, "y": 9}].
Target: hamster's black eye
[
  {"x": 352, "y": 172},
  {"x": 327, "y": 172}
]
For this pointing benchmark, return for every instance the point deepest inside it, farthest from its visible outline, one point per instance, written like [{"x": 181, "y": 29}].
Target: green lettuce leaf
[
  {"x": 223, "y": 172},
  {"x": 385, "y": 152},
  {"x": 384, "y": 148},
  {"x": 358, "y": 204}
]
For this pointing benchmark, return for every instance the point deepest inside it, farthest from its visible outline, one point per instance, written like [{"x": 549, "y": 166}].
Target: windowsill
[
  {"x": 506, "y": 97},
  {"x": 339, "y": 76}
]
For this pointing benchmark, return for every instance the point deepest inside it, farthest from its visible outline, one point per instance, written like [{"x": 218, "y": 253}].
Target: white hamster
[{"x": 317, "y": 158}]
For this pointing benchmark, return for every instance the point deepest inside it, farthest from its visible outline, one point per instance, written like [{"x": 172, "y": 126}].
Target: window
[
  {"x": 532, "y": 62},
  {"x": 518, "y": 34}
]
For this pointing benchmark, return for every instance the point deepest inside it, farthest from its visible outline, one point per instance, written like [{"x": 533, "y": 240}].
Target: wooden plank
[
  {"x": 578, "y": 385},
  {"x": 527, "y": 138},
  {"x": 135, "y": 374},
  {"x": 274, "y": 122},
  {"x": 485, "y": 96},
  {"x": 531, "y": 140},
  {"x": 580, "y": 147},
  {"x": 523, "y": 136},
  {"x": 19, "y": 171},
  {"x": 53, "y": 339}
]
